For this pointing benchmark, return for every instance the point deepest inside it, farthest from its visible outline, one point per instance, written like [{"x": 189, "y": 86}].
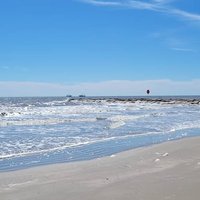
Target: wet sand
[{"x": 161, "y": 172}]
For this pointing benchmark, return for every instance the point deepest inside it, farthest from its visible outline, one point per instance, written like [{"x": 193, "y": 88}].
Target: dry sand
[{"x": 161, "y": 172}]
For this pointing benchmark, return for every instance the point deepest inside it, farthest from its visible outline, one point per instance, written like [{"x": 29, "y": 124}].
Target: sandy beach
[{"x": 165, "y": 171}]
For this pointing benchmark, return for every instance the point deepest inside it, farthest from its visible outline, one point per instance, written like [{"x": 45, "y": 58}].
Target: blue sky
[{"x": 97, "y": 47}]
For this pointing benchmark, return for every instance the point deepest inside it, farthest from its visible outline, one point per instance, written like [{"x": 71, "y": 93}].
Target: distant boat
[
  {"x": 82, "y": 95},
  {"x": 68, "y": 95}
]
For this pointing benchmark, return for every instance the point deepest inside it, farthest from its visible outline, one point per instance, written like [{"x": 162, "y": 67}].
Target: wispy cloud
[
  {"x": 163, "y": 6},
  {"x": 103, "y": 3},
  {"x": 161, "y": 1},
  {"x": 14, "y": 68},
  {"x": 174, "y": 40},
  {"x": 183, "y": 49},
  {"x": 185, "y": 14},
  {"x": 109, "y": 88},
  {"x": 4, "y": 67}
]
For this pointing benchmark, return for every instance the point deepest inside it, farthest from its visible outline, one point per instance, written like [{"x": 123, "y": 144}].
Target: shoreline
[{"x": 169, "y": 170}]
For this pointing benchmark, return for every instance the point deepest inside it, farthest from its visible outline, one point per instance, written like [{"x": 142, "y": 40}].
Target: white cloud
[
  {"x": 186, "y": 15},
  {"x": 144, "y": 5},
  {"x": 103, "y": 3},
  {"x": 109, "y": 88},
  {"x": 154, "y": 5},
  {"x": 183, "y": 49},
  {"x": 163, "y": 1}
]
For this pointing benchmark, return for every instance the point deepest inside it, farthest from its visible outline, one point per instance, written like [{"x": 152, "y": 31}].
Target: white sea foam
[
  {"x": 24, "y": 147},
  {"x": 186, "y": 125},
  {"x": 120, "y": 120},
  {"x": 46, "y": 126},
  {"x": 50, "y": 121}
]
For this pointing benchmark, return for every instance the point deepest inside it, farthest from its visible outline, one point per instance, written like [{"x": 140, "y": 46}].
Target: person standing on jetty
[{"x": 148, "y": 91}]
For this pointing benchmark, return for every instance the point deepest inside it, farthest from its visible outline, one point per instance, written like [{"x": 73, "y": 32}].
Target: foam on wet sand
[{"x": 166, "y": 171}]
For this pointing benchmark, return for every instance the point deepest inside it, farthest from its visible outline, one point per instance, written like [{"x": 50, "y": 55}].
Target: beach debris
[
  {"x": 165, "y": 154},
  {"x": 160, "y": 155},
  {"x": 157, "y": 160}
]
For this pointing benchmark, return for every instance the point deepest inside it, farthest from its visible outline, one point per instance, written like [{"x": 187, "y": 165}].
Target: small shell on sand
[{"x": 165, "y": 154}]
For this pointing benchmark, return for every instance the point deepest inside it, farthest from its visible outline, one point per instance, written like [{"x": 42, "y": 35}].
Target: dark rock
[{"x": 3, "y": 114}]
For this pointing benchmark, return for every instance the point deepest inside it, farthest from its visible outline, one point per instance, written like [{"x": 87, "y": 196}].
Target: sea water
[{"x": 45, "y": 130}]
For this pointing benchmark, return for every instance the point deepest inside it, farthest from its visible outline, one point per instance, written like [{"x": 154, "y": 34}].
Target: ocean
[{"x": 37, "y": 131}]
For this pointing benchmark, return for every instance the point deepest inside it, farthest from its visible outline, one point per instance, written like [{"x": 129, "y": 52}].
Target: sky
[{"x": 99, "y": 47}]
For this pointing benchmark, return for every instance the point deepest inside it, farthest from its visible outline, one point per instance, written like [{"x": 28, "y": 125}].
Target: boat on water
[{"x": 81, "y": 96}]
